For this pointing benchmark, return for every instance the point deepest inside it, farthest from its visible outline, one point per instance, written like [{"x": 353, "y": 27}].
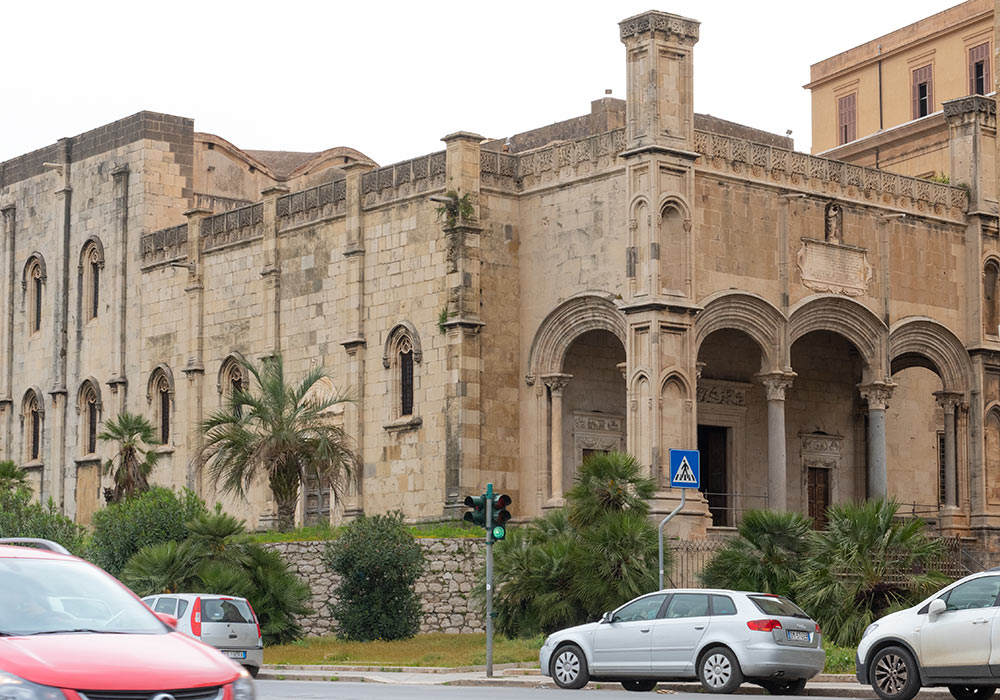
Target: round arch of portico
[
  {"x": 675, "y": 201},
  {"x": 848, "y": 318},
  {"x": 588, "y": 311},
  {"x": 917, "y": 339},
  {"x": 746, "y": 312}
]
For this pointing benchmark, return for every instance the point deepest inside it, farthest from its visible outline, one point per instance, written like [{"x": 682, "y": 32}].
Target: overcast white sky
[{"x": 392, "y": 78}]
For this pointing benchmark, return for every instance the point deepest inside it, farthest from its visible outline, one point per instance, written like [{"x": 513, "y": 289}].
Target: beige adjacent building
[{"x": 640, "y": 277}]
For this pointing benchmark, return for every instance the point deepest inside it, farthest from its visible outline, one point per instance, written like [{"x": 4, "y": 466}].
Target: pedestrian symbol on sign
[{"x": 684, "y": 474}]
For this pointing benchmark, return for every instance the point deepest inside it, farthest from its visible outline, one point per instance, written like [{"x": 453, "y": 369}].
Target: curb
[{"x": 529, "y": 666}]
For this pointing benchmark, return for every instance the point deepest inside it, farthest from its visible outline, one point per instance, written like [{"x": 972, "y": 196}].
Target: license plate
[
  {"x": 235, "y": 654},
  {"x": 797, "y": 636}
]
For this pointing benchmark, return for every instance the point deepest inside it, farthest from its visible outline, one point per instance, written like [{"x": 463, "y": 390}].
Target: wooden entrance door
[
  {"x": 712, "y": 440},
  {"x": 819, "y": 495}
]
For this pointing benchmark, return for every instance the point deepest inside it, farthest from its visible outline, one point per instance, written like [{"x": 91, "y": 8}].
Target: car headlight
[
  {"x": 870, "y": 628},
  {"x": 242, "y": 687},
  {"x": 14, "y": 688}
]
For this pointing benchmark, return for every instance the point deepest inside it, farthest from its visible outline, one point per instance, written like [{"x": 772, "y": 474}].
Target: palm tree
[
  {"x": 134, "y": 461},
  {"x": 12, "y": 477},
  {"x": 865, "y": 564},
  {"x": 766, "y": 556},
  {"x": 280, "y": 433},
  {"x": 608, "y": 482}
]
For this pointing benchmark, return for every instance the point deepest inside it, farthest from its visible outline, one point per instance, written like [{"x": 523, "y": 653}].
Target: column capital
[
  {"x": 623, "y": 368},
  {"x": 877, "y": 394},
  {"x": 776, "y": 383},
  {"x": 556, "y": 382},
  {"x": 950, "y": 401}
]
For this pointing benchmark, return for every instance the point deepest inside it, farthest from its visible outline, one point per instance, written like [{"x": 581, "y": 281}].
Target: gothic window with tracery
[
  {"x": 34, "y": 286},
  {"x": 160, "y": 393},
  {"x": 991, "y": 304},
  {"x": 232, "y": 380},
  {"x": 90, "y": 415},
  {"x": 402, "y": 354},
  {"x": 32, "y": 427},
  {"x": 91, "y": 262}
]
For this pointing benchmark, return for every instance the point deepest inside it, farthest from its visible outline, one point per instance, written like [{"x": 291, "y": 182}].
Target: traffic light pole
[{"x": 489, "y": 581}]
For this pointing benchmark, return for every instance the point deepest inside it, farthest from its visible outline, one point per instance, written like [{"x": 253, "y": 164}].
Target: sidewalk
[{"x": 523, "y": 676}]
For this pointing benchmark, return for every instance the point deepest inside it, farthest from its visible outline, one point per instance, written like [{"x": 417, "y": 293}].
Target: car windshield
[
  {"x": 53, "y": 596},
  {"x": 776, "y": 605}
]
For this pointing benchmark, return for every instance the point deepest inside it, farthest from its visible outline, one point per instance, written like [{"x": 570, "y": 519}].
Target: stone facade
[
  {"x": 651, "y": 279},
  {"x": 445, "y": 589}
]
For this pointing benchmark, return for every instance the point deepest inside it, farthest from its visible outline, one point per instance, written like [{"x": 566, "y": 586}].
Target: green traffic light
[{"x": 499, "y": 532}]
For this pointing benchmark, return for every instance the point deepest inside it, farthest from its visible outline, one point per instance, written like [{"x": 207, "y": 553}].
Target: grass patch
[
  {"x": 454, "y": 528},
  {"x": 839, "y": 659},
  {"x": 436, "y": 649}
]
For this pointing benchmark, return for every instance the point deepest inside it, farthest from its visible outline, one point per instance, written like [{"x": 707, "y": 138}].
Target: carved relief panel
[{"x": 596, "y": 432}]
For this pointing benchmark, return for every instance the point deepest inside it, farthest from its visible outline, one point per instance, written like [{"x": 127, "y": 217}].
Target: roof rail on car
[{"x": 37, "y": 542}]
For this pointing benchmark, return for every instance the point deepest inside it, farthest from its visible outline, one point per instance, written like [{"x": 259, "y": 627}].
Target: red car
[{"x": 69, "y": 631}]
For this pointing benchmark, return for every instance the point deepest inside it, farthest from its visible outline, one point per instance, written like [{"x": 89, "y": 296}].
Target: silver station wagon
[{"x": 720, "y": 637}]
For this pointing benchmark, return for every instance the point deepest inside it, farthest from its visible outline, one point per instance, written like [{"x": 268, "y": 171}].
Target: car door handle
[
  {"x": 699, "y": 627},
  {"x": 980, "y": 621},
  {"x": 645, "y": 630}
]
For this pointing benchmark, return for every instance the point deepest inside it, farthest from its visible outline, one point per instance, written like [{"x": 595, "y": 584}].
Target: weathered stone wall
[{"x": 445, "y": 588}]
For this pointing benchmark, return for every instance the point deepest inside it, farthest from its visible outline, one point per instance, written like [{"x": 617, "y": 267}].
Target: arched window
[
  {"x": 160, "y": 394},
  {"x": 91, "y": 264},
  {"x": 402, "y": 352},
  {"x": 33, "y": 284},
  {"x": 991, "y": 312},
  {"x": 90, "y": 415},
  {"x": 232, "y": 378},
  {"x": 32, "y": 418}
]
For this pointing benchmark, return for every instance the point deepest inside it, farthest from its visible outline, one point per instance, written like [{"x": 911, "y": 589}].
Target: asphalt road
[{"x": 315, "y": 690}]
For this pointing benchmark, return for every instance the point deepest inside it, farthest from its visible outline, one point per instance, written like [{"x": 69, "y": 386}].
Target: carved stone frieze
[
  {"x": 672, "y": 25},
  {"x": 972, "y": 103},
  {"x": 714, "y": 391}
]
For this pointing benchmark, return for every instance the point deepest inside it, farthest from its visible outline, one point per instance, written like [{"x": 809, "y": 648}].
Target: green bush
[
  {"x": 378, "y": 562},
  {"x": 153, "y": 517},
  {"x": 867, "y": 563},
  {"x": 766, "y": 556},
  {"x": 217, "y": 556},
  {"x": 19, "y": 517},
  {"x": 572, "y": 565}
]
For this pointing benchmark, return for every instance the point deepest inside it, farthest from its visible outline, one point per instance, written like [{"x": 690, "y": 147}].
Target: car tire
[
  {"x": 568, "y": 667},
  {"x": 252, "y": 670},
  {"x": 972, "y": 692},
  {"x": 894, "y": 674},
  {"x": 719, "y": 671},
  {"x": 784, "y": 687},
  {"x": 643, "y": 685}
]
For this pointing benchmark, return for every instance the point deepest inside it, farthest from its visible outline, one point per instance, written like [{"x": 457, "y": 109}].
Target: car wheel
[
  {"x": 784, "y": 687},
  {"x": 972, "y": 692},
  {"x": 719, "y": 671},
  {"x": 252, "y": 670},
  {"x": 894, "y": 674},
  {"x": 639, "y": 686},
  {"x": 569, "y": 667}
]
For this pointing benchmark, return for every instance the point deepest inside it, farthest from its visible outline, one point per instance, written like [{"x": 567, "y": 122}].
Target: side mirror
[
  {"x": 936, "y": 607},
  {"x": 606, "y": 617},
  {"x": 169, "y": 620}
]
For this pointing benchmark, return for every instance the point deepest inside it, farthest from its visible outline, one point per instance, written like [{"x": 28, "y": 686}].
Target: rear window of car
[
  {"x": 776, "y": 605},
  {"x": 225, "y": 610}
]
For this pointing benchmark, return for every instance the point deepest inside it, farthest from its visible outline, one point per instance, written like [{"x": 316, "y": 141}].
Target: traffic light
[
  {"x": 500, "y": 516},
  {"x": 477, "y": 515}
]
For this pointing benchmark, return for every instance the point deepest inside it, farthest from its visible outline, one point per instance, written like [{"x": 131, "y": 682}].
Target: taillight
[
  {"x": 196, "y": 618},
  {"x": 257, "y": 620},
  {"x": 817, "y": 629},
  {"x": 764, "y": 625}
]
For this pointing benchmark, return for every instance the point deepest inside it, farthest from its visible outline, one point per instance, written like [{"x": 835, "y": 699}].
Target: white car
[
  {"x": 719, "y": 637},
  {"x": 950, "y": 639},
  {"x": 227, "y": 623}
]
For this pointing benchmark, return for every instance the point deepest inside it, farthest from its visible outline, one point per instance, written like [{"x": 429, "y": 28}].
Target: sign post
[{"x": 685, "y": 473}]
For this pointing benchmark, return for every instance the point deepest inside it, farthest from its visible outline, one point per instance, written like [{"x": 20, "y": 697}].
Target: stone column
[
  {"x": 949, "y": 402},
  {"x": 8, "y": 218},
  {"x": 194, "y": 368},
  {"x": 59, "y": 392},
  {"x": 776, "y": 383},
  {"x": 556, "y": 383},
  {"x": 877, "y": 394},
  {"x": 119, "y": 322},
  {"x": 354, "y": 344}
]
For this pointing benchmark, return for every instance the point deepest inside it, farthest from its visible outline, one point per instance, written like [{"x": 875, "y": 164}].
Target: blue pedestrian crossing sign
[{"x": 685, "y": 469}]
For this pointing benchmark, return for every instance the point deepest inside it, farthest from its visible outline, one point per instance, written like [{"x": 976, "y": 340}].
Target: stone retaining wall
[{"x": 445, "y": 588}]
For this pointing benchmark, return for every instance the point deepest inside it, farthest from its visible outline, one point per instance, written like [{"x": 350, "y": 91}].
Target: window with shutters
[
  {"x": 979, "y": 69},
  {"x": 847, "y": 118},
  {"x": 923, "y": 97}
]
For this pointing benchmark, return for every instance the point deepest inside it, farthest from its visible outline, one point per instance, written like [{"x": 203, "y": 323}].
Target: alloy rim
[
  {"x": 717, "y": 670},
  {"x": 891, "y": 674},
  {"x": 567, "y": 667}
]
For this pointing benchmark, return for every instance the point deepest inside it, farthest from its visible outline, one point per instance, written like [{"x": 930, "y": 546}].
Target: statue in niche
[{"x": 834, "y": 223}]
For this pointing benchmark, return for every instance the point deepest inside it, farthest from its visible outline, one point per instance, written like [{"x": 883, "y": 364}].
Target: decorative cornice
[
  {"x": 971, "y": 103},
  {"x": 672, "y": 25}
]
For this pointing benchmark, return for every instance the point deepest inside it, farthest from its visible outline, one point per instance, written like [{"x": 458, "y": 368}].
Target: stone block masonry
[{"x": 445, "y": 589}]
